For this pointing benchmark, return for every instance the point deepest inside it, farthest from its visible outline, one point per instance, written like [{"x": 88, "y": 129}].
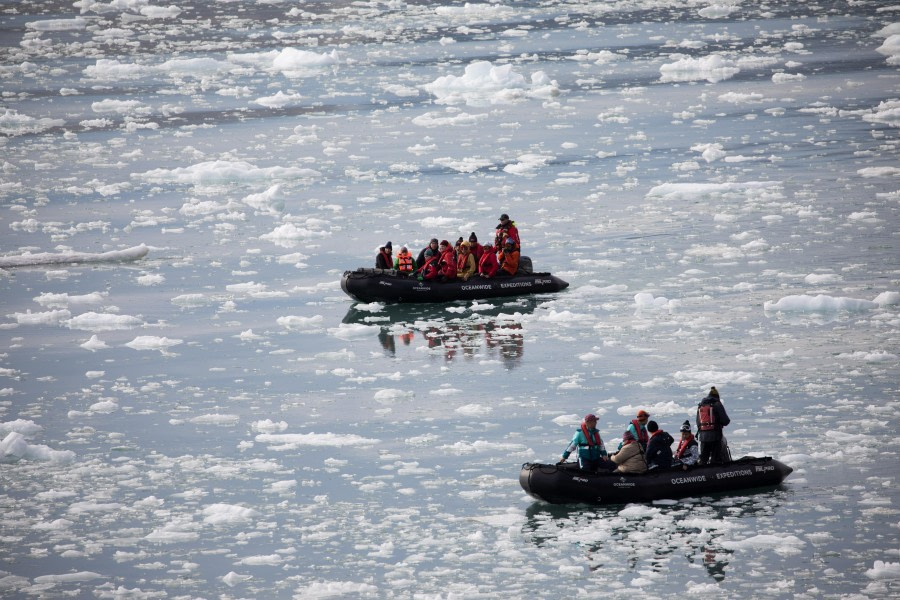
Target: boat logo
[
  {"x": 764, "y": 469},
  {"x": 728, "y": 474},
  {"x": 476, "y": 287},
  {"x": 387, "y": 283},
  {"x": 623, "y": 483},
  {"x": 580, "y": 479},
  {"x": 540, "y": 281}
]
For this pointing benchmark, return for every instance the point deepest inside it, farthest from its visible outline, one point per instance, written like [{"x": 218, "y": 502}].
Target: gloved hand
[{"x": 562, "y": 462}]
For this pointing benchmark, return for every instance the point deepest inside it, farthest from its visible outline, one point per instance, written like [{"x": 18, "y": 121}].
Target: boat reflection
[
  {"x": 478, "y": 331},
  {"x": 647, "y": 536}
]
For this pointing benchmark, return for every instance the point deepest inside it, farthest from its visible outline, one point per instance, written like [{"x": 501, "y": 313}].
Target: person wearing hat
[
  {"x": 420, "y": 260},
  {"x": 630, "y": 457},
  {"x": 475, "y": 248},
  {"x": 638, "y": 428},
  {"x": 509, "y": 258},
  {"x": 404, "y": 262},
  {"x": 659, "y": 448},
  {"x": 711, "y": 418},
  {"x": 506, "y": 229},
  {"x": 591, "y": 451},
  {"x": 447, "y": 261},
  {"x": 384, "y": 260},
  {"x": 488, "y": 264},
  {"x": 429, "y": 271},
  {"x": 465, "y": 262},
  {"x": 688, "y": 451}
]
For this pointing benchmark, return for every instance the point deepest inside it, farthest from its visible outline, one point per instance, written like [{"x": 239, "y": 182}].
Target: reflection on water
[
  {"x": 640, "y": 537},
  {"x": 486, "y": 332}
]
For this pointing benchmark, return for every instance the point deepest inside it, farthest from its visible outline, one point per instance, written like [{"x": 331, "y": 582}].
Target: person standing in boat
[
  {"x": 488, "y": 265},
  {"x": 659, "y": 448},
  {"x": 591, "y": 451},
  {"x": 711, "y": 418},
  {"x": 638, "y": 428},
  {"x": 384, "y": 260},
  {"x": 506, "y": 229},
  {"x": 630, "y": 457},
  {"x": 509, "y": 259},
  {"x": 465, "y": 263},
  {"x": 404, "y": 262},
  {"x": 433, "y": 246},
  {"x": 688, "y": 451}
]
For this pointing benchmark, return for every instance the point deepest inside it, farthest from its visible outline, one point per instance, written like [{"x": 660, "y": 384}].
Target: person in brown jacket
[{"x": 630, "y": 458}]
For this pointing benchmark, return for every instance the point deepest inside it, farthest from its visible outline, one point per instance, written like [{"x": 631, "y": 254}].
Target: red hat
[
  {"x": 642, "y": 414},
  {"x": 590, "y": 417},
  {"x": 445, "y": 243}
]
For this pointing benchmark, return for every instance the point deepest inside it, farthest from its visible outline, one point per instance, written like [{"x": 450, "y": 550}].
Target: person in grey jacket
[{"x": 711, "y": 418}]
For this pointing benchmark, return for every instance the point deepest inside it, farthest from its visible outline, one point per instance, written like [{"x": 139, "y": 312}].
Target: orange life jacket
[
  {"x": 707, "y": 418},
  {"x": 405, "y": 262}
]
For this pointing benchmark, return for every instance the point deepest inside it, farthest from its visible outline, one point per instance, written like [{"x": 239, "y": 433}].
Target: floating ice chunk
[
  {"x": 879, "y": 172},
  {"x": 104, "y": 406},
  {"x": 50, "y": 317},
  {"x": 475, "y": 12},
  {"x": 62, "y": 300},
  {"x": 710, "y": 152},
  {"x": 120, "y": 107},
  {"x": 820, "y": 303},
  {"x": 785, "y": 545},
  {"x": 741, "y": 98},
  {"x": 822, "y": 278},
  {"x": 389, "y": 395},
  {"x": 76, "y": 24},
  {"x": 712, "y": 68},
  {"x": 302, "y": 324},
  {"x": 78, "y": 577},
  {"x": 279, "y": 100},
  {"x": 700, "y": 378},
  {"x": 870, "y": 357},
  {"x": 884, "y": 570},
  {"x": 887, "y": 298},
  {"x": 887, "y": 112},
  {"x": 228, "y": 514},
  {"x": 232, "y": 579},
  {"x": 432, "y": 119},
  {"x": 216, "y": 419},
  {"x": 223, "y": 171},
  {"x": 717, "y": 11},
  {"x": 787, "y": 77},
  {"x": 47, "y": 258},
  {"x": 474, "y": 410},
  {"x": 589, "y": 356},
  {"x": 289, "y": 234},
  {"x": 268, "y": 426},
  {"x": 14, "y": 447},
  {"x": 270, "y": 201},
  {"x": 148, "y": 279},
  {"x": 13, "y": 124},
  {"x": 336, "y": 589},
  {"x": 152, "y": 342},
  {"x": 92, "y": 321},
  {"x": 292, "y": 441},
  {"x": 297, "y": 63},
  {"x": 698, "y": 191},
  {"x": 22, "y": 426},
  {"x": 483, "y": 84},
  {"x": 353, "y": 331},
  {"x": 891, "y": 49},
  {"x": 646, "y": 300}
]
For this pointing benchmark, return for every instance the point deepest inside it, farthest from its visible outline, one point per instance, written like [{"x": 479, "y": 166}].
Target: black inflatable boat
[
  {"x": 387, "y": 285},
  {"x": 566, "y": 483}
]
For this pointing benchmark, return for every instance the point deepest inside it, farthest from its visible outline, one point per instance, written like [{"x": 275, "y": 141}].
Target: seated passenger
[
  {"x": 630, "y": 458},
  {"x": 430, "y": 270},
  {"x": 488, "y": 265},
  {"x": 509, "y": 259},
  {"x": 591, "y": 451},
  {"x": 465, "y": 263},
  {"x": 659, "y": 448},
  {"x": 384, "y": 260},
  {"x": 447, "y": 261},
  {"x": 404, "y": 262},
  {"x": 433, "y": 245},
  {"x": 475, "y": 248},
  {"x": 688, "y": 451}
]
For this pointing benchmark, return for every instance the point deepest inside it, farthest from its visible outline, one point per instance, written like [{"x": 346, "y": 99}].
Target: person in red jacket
[
  {"x": 488, "y": 265},
  {"x": 475, "y": 248},
  {"x": 507, "y": 229},
  {"x": 430, "y": 269},
  {"x": 447, "y": 264},
  {"x": 509, "y": 258}
]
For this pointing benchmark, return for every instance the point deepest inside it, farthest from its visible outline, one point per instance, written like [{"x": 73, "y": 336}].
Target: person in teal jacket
[{"x": 591, "y": 451}]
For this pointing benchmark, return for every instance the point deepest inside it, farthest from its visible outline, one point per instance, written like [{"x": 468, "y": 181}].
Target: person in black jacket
[
  {"x": 711, "y": 418},
  {"x": 659, "y": 448},
  {"x": 384, "y": 260}
]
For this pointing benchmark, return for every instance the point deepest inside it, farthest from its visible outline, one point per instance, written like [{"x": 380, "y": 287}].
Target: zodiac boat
[
  {"x": 388, "y": 285},
  {"x": 567, "y": 483}
]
